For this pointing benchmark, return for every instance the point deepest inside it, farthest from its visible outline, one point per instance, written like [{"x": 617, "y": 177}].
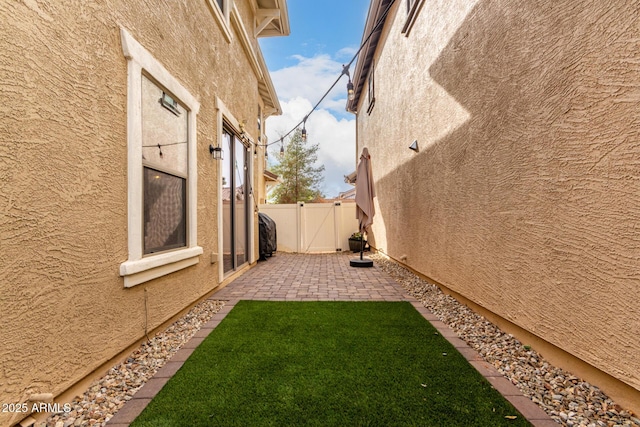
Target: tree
[{"x": 300, "y": 180}]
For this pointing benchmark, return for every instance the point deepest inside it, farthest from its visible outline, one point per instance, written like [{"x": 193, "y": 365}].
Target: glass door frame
[{"x": 234, "y": 170}]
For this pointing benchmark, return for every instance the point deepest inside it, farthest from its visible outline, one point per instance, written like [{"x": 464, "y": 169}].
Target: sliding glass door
[{"x": 235, "y": 200}]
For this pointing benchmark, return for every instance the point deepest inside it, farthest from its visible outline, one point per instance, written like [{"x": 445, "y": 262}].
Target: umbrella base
[{"x": 365, "y": 262}]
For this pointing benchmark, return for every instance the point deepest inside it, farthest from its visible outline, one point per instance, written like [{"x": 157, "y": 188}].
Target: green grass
[{"x": 327, "y": 364}]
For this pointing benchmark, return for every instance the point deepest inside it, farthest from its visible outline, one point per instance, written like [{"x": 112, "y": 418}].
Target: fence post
[
  {"x": 301, "y": 226},
  {"x": 337, "y": 221}
]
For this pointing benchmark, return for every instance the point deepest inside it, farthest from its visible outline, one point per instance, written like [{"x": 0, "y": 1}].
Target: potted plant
[{"x": 356, "y": 242}]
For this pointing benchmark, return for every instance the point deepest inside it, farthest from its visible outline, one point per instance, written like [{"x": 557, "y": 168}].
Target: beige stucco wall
[
  {"x": 525, "y": 194},
  {"x": 63, "y": 174}
]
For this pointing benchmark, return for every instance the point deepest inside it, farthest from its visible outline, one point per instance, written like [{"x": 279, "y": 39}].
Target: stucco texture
[
  {"x": 63, "y": 169},
  {"x": 525, "y": 194}
]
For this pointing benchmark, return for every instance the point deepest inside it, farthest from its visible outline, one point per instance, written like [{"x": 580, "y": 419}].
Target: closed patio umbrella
[{"x": 365, "y": 210}]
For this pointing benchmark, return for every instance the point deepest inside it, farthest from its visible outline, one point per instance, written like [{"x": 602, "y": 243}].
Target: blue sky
[
  {"x": 303, "y": 66},
  {"x": 317, "y": 27}
]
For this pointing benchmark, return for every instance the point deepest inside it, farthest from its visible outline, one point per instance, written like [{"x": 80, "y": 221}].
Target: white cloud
[
  {"x": 335, "y": 137},
  {"x": 299, "y": 88},
  {"x": 346, "y": 52},
  {"x": 310, "y": 78}
]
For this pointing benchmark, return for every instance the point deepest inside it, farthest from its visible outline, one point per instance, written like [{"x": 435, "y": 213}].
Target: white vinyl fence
[{"x": 313, "y": 227}]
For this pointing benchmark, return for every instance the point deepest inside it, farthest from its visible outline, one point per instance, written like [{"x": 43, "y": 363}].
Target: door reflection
[{"x": 235, "y": 201}]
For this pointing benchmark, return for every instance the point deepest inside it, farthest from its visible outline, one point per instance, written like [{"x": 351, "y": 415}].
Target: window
[
  {"x": 221, "y": 11},
  {"x": 371, "y": 91},
  {"x": 165, "y": 222},
  {"x": 259, "y": 121},
  {"x": 413, "y": 8},
  {"x": 161, "y": 158},
  {"x": 164, "y": 159}
]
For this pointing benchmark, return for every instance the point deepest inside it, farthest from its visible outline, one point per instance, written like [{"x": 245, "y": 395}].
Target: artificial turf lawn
[{"x": 327, "y": 364}]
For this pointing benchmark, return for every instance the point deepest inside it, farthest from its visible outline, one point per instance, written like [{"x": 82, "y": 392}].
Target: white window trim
[
  {"x": 413, "y": 8},
  {"x": 139, "y": 268},
  {"x": 371, "y": 88},
  {"x": 222, "y": 16}
]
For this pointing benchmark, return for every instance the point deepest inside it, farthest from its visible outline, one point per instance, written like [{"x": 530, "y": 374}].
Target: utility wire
[{"x": 345, "y": 70}]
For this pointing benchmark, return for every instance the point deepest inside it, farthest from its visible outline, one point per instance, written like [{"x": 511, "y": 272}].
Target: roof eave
[
  {"x": 267, "y": 91},
  {"x": 365, "y": 58},
  {"x": 272, "y": 18}
]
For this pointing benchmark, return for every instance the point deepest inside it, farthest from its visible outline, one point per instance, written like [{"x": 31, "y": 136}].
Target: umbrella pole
[{"x": 361, "y": 262}]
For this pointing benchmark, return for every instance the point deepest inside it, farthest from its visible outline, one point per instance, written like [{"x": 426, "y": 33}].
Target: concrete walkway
[{"x": 297, "y": 277}]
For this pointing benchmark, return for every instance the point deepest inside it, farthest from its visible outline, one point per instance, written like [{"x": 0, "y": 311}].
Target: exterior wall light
[
  {"x": 216, "y": 152},
  {"x": 169, "y": 103}
]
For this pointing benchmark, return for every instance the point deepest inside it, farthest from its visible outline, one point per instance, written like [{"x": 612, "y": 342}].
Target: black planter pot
[{"x": 356, "y": 244}]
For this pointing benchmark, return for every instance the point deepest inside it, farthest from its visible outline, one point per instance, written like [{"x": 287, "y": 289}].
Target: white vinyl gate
[{"x": 313, "y": 227}]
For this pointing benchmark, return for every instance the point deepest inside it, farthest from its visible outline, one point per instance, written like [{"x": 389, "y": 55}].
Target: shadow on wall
[{"x": 531, "y": 208}]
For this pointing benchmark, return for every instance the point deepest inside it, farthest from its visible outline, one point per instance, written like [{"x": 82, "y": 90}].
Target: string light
[
  {"x": 350, "y": 92},
  {"x": 164, "y": 145},
  {"x": 350, "y": 86},
  {"x": 304, "y": 130}
]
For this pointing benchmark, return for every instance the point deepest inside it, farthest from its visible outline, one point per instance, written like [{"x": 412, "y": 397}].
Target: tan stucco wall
[
  {"x": 525, "y": 194},
  {"x": 63, "y": 169}
]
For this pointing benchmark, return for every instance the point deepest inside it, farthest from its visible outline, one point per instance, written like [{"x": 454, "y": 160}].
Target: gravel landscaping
[
  {"x": 567, "y": 399},
  {"x": 107, "y": 395}
]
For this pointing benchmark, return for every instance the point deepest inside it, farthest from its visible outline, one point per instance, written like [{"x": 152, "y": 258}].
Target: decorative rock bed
[
  {"x": 107, "y": 395},
  {"x": 567, "y": 399}
]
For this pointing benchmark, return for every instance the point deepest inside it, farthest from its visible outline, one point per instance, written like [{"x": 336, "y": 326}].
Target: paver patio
[{"x": 324, "y": 277}]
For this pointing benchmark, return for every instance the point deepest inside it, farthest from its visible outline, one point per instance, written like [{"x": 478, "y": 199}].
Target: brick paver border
[{"x": 321, "y": 278}]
